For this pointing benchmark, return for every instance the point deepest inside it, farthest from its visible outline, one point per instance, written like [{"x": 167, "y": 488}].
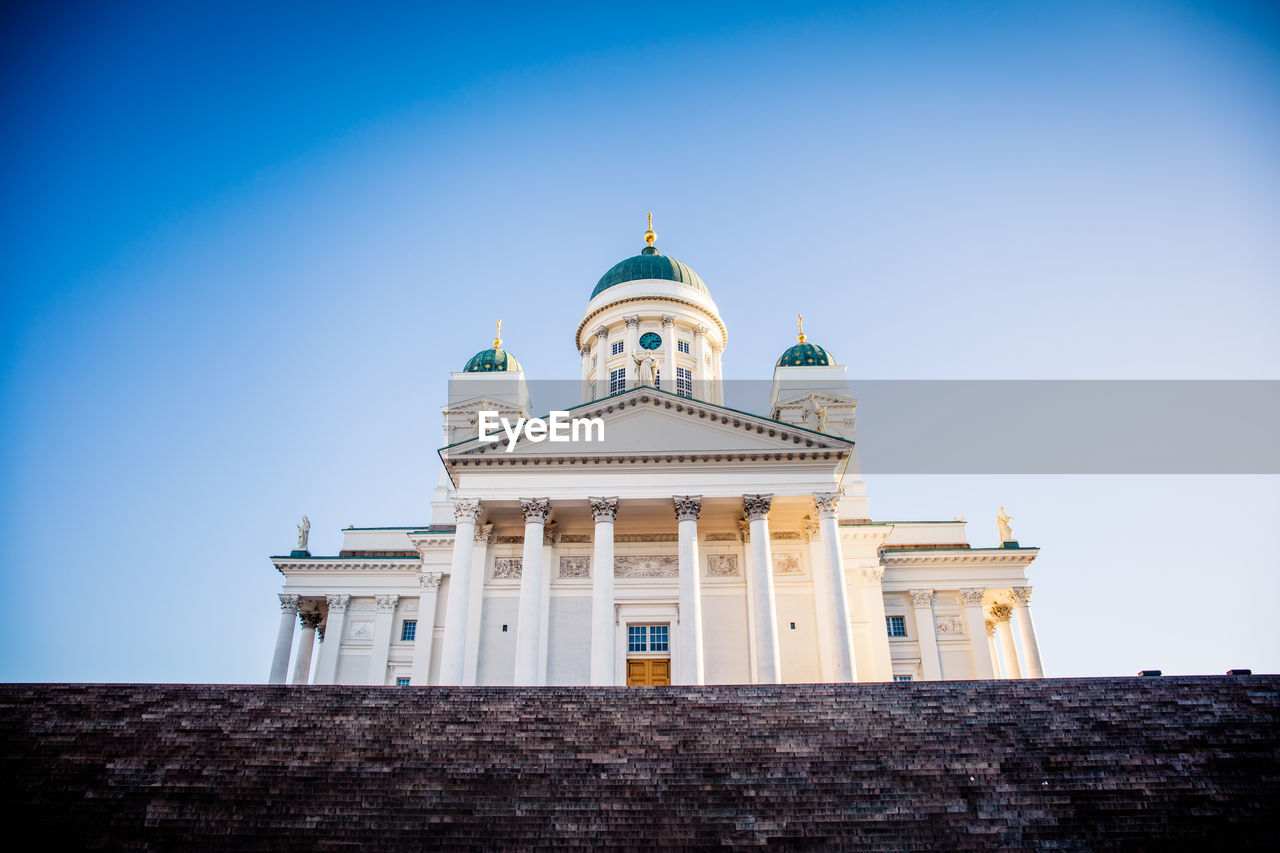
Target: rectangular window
[
  {"x": 408, "y": 630},
  {"x": 402, "y": 682},
  {"x": 648, "y": 638},
  {"x": 616, "y": 349},
  {"x": 897, "y": 625},
  {"x": 617, "y": 381},
  {"x": 682, "y": 346},
  {"x": 902, "y": 678},
  {"x": 684, "y": 382}
]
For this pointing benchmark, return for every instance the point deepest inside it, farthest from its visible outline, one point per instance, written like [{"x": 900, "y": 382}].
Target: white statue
[
  {"x": 1002, "y": 521},
  {"x": 646, "y": 367},
  {"x": 303, "y": 530},
  {"x": 810, "y": 416}
]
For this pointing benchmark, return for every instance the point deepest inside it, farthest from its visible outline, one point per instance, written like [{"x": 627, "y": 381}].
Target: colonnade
[{"x": 1004, "y": 654}]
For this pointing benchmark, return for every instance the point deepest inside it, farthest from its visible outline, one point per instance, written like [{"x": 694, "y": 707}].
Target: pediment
[{"x": 657, "y": 424}]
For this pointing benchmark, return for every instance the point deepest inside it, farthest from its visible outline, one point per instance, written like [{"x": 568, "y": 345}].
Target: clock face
[{"x": 650, "y": 340}]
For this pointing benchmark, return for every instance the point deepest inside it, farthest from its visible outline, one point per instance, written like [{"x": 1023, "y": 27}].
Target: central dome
[{"x": 649, "y": 264}]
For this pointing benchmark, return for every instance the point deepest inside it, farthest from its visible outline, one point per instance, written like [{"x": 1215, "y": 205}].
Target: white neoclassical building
[{"x": 675, "y": 541}]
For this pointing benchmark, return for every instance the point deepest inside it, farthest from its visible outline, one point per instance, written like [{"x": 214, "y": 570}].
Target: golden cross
[
  {"x": 800, "y": 327},
  {"x": 497, "y": 341}
]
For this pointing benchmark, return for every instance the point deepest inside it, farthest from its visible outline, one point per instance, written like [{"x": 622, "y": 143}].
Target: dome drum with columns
[{"x": 691, "y": 544}]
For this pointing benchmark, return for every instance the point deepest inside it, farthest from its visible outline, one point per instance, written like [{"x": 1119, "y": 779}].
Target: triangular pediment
[{"x": 655, "y": 423}]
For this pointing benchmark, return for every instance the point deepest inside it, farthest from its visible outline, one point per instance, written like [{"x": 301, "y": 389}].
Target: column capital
[
  {"x": 700, "y": 330},
  {"x": 430, "y": 581},
  {"x": 668, "y": 320},
  {"x": 584, "y": 350},
  {"x": 1021, "y": 596},
  {"x": 921, "y": 598},
  {"x": 466, "y": 510},
  {"x": 744, "y": 530},
  {"x": 483, "y": 534},
  {"x": 604, "y": 509},
  {"x": 1000, "y": 612},
  {"x": 288, "y": 603},
  {"x": 311, "y": 618},
  {"x": 991, "y": 627},
  {"x": 873, "y": 574},
  {"x": 828, "y": 503},
  {"x": 386, "y": 603},
  {"x": 338, "y": 603},
  {"x": 972, "y": 596},
  {"x": 756, "y": 507},
  {"x": 688, "y": 507},
  {"x": 812, "y": 529},
  {"x": 535, "y": 510},
  {"x": 633, "y": 321},
  {"x": 602, "y": 332}
]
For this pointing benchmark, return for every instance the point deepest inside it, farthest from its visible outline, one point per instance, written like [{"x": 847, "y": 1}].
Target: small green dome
[
  {"x": 492, "y": 360},
  {"x": 806, "y": 355},
  {"x": 649, "y": 264}
]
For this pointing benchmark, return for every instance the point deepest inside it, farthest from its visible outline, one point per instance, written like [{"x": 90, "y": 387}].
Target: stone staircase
[{"x": 1064, "y": 763}]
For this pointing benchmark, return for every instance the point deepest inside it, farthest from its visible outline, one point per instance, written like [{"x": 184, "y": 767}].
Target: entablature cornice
[
  {"x": 332, "y": 565},
  {"x": 1019, "y": 558}
]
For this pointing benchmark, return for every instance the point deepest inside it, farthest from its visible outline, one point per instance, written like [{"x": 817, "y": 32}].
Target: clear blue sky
[{"x": 245, "y": 244}]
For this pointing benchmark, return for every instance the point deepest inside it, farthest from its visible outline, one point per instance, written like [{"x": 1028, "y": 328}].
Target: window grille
[
  {"x": 617, "y": 381},
  {"x": 402, "y": 682},
  {"x": 682, "y": 346},
  {"x": 902, "y": 678},
  {"x": 408, "y": 630},
  {"x": 684, "y": 382},
  {"x": 897, "y": 625},
  {"x": 616, "y": 349}
]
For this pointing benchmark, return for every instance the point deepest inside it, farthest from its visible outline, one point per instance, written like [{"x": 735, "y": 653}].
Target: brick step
[{"x": 1075, "y": 763}]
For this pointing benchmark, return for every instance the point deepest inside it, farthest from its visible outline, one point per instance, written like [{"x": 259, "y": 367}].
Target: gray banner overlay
[{"x": 1029, "y": 427}]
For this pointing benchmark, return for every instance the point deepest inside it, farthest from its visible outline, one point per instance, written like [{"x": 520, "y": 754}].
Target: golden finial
[
  {"x": 497, "y": 340},
  {"x": 800, "y": 326},
  {"x": 649, "y": 236}
]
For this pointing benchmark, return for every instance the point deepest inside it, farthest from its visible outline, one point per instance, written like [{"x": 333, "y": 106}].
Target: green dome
[
  {"x": 806, "y": 355},
  {"x": 649, "y": 264},
  {"x": 492, "y": 360}
]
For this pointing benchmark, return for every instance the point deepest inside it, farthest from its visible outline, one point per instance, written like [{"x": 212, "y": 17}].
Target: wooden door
[{"x": 648, "y": 672}]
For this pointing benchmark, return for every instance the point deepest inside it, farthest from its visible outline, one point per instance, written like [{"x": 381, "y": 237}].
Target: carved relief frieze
[
  {"x": 658, "y": 566},
  {"x": 506, "y": 568},
  {"x": 359, "y": 630},
  {"x": 646, "y": 537},
  {"x": 575, "y": 567},
  {"x": 951, "y": 625},
  {"x": 574, "y": 539},
  {"x": 787, "y": 564},
  {"x": 723, "y": 566},
  {"x": 790, "y": 535},
  {"x": 722, "y": 537},
  {"x": 509, "y": 540}
]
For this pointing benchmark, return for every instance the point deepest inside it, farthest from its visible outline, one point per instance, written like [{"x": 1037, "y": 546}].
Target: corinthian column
[
  {"x": 586, "y": 372},
  {"x": 1027, "y": 632},
  {"x": 927, "y": 637},
  {"x": 465, "y": 512},
  {"x": 1000, "y": 613},
  {"x": 528, "y": 617},
  {"x": 383, "y": 621},
  {"x": 668, "y": 353},
  {"x": 306, "y": 645},
  {"x": 632, "y": 347},
  {"x": 327, "y": 668},
  {"x": 284, "y": 639},
  {"x": 873, "y": 590},
  {"x": 976, "y": 623},
  {"x": 768, "y": 658},
  {"x": 604, "y": 510},
  {"x": 429, "y": 583},
  {"x": 688, "y": 508},
  {"x": 828, "y": 504},
  {"x": 602, "y": 363}
]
